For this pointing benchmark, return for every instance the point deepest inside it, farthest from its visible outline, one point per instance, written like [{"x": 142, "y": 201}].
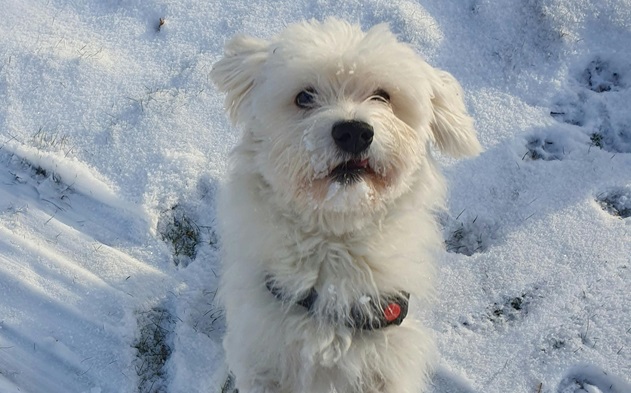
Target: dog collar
[{"x": 369, "y": 314}]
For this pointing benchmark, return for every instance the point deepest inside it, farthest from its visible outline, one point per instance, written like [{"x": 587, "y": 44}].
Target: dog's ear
[
  {"x": 236, "y": 72},
  {"x": 452, "y": 127}
]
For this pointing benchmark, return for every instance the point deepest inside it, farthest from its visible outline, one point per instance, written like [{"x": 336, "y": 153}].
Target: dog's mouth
[{"x": 351, "y": 171}]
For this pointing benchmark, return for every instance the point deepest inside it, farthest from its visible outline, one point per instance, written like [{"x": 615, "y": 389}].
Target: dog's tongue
[{"x": 357, "y": 164}]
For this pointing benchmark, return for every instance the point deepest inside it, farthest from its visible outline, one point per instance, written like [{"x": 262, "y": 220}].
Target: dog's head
[{"x": 338, "y": 121}]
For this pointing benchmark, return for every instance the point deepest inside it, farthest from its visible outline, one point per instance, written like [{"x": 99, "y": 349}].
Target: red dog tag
[{"x": 392, "y": 312}]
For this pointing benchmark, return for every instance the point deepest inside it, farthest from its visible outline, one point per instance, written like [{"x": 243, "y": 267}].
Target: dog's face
[{"x": 338, "y": 121}]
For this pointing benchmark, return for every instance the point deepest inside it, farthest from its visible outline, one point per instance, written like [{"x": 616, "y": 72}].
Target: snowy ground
[{"x": 113, "y": 142}]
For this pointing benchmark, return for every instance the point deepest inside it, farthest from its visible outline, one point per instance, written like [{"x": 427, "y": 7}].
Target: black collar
[{"x": 364, "y": 315}]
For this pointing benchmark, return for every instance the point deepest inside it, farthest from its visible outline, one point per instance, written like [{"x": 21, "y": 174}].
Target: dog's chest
[{"x": 341, "y": 269}]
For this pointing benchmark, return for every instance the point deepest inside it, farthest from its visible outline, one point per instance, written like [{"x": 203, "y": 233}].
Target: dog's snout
[{"x": 352, "y": 136}]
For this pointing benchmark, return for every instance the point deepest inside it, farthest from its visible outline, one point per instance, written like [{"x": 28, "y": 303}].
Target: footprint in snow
[
  {"x": 597, "y": 102},
  {"x": 591, "y": 379},
  {"x": 616, "y": 201}
]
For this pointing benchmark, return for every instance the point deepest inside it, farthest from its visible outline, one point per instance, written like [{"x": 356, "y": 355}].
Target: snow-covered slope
[{"x": 113, "y": 142}]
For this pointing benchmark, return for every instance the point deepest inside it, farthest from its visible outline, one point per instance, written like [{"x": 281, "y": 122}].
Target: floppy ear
[
  {"x": 235, "y": 73},
  {"x": 452, "y": 127}
]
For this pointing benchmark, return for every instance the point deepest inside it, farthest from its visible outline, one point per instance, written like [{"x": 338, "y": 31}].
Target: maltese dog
[{"x": 327, "y": 213}]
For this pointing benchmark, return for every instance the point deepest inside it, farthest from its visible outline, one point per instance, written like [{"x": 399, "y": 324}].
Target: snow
[{"x": 111, "y": 133}]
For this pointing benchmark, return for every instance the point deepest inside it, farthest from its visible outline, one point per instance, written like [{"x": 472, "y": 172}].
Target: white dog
[{"x": 326, "y": 217}]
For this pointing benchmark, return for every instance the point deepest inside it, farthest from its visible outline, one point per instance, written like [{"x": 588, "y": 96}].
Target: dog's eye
[
  {"x": 306, "y": 98},
  {"x": 380, "y": 95}
]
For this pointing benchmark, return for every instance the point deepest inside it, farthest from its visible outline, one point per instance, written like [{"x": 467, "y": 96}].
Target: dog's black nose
[{"x": 352, "y": 136}]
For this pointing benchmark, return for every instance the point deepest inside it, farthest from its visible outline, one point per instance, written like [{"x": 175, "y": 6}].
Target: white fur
[{"x": 281, "y": 214}]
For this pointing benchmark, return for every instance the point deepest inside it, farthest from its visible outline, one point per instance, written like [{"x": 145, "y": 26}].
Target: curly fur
[{"x": 282, "y": 214}]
